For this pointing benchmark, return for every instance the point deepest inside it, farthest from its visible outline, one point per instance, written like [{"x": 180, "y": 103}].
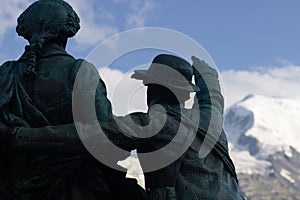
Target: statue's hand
[
  {"x": 199, "y": 66},
  {"x": 201, "y": 69}
]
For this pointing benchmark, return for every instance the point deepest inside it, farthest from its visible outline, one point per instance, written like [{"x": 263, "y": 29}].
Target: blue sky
[
  {"x": 250, "y": 41},
  {"x": 237, "y": 34}
]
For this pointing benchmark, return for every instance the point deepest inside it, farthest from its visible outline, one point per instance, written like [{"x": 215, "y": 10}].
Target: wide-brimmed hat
[{"x": 169, "y": 71}]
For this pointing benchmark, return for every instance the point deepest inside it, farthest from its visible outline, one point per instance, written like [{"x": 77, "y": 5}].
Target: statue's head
[
  {"x": 48, "y": 20},
  {"x": 168, "y": 75}
]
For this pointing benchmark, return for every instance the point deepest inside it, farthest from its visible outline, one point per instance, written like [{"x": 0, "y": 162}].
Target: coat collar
[
  {"x": 53, "y": 49},
  {"x": 49, "y": 50}
]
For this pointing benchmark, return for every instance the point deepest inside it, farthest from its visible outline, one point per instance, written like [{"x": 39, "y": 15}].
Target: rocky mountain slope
[{"x": 264, "y": 142}]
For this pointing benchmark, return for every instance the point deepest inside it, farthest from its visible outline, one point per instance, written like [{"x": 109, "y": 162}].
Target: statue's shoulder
[
  {"x": 9, "y": 68},
  {"x": 83, "y": 65},
  {"x": 7, "y": 65},
  {"x": 86, "y": 70}
]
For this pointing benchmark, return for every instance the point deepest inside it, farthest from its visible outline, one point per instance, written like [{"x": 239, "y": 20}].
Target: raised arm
[
  {"x": 211, "y": 106},
  {"x": 209, "y": 99}
]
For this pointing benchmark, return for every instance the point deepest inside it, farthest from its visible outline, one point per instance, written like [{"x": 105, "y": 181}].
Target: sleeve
[
  {"x": 209, "y": 99},
  {"x": 89, "y": 88},
  {"x": 211, "y": 106},
  {"x": 90, "y": 95},
  {"x": 129, "y": 132},
  {"x": 120, "y": 133},
  {"x": 61, "y": 139},
  {"x": 91, "y": 104},
  {"x": 66, "y": 139}
]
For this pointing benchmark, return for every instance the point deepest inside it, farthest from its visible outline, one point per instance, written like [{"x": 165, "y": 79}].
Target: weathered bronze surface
[{"x": 42, "y": 156}]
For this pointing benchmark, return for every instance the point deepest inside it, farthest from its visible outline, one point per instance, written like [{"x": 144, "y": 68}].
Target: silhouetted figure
[
  {"x": 190, "y": 177},
  {"x": 42, "y": 156},
  {"x": 36, "y": 91}
]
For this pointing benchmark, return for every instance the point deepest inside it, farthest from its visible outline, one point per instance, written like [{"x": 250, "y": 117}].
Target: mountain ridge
[{"x": 264, "y": 145}]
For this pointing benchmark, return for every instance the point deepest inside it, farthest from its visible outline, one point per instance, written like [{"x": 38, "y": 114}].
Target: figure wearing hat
[
  {"x": 169, "y": 84},
  {"x": 193, "y": 173},
  {"x": 190, "y": 177}
]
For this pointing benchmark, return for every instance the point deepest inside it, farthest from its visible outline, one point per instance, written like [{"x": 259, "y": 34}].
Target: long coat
[{"x": 42, "y": 101}]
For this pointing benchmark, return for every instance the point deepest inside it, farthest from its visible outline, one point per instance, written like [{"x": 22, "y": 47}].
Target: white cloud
[
  {"x": 92, "y": 31},
  {"x": 9, "y": 12},
  {"x": 98, "y": 20},
  {"x": 281, "y": 82},
  {"x": 128, "y": 95},
  {"x": 140, "y": 11}
]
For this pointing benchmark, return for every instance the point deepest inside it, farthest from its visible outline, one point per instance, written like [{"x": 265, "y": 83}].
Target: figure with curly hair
[{"x": 36, "y": 91}]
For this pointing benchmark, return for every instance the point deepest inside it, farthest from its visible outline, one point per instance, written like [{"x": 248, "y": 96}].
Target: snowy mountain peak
[
  {"x": 273, "y": 122},
  {"x": 259, "y": 126}
]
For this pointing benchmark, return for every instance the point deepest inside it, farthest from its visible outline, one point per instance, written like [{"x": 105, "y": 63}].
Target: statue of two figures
[{"x": 45, "y": 150}]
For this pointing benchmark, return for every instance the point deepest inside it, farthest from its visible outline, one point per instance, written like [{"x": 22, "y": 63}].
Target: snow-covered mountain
[
  {"x": 259, "y": 126},
  {"x": 264, "y": 141}
]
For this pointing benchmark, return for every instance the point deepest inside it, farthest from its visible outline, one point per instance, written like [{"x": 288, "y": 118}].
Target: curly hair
[
  {"x": 49, "y": 19},
  {"x": 42, "y": 22}
]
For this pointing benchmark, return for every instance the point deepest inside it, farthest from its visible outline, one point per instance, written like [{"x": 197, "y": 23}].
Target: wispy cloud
[
  {"x": 98, "y": 20},
  {"x": 92, "y": 17},
  {"x": 9, "y": 12},
  {"x": 140, "y": 9},
  {"x": 126, "y": 94},
  {"x": 283, "y": 82},
  {"x": 129, "y": 95}
]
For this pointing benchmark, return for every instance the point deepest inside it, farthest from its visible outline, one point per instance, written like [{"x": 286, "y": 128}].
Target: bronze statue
[
  {"x": 41, "y": 154},
  {"x": 189, "y": 177}
]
